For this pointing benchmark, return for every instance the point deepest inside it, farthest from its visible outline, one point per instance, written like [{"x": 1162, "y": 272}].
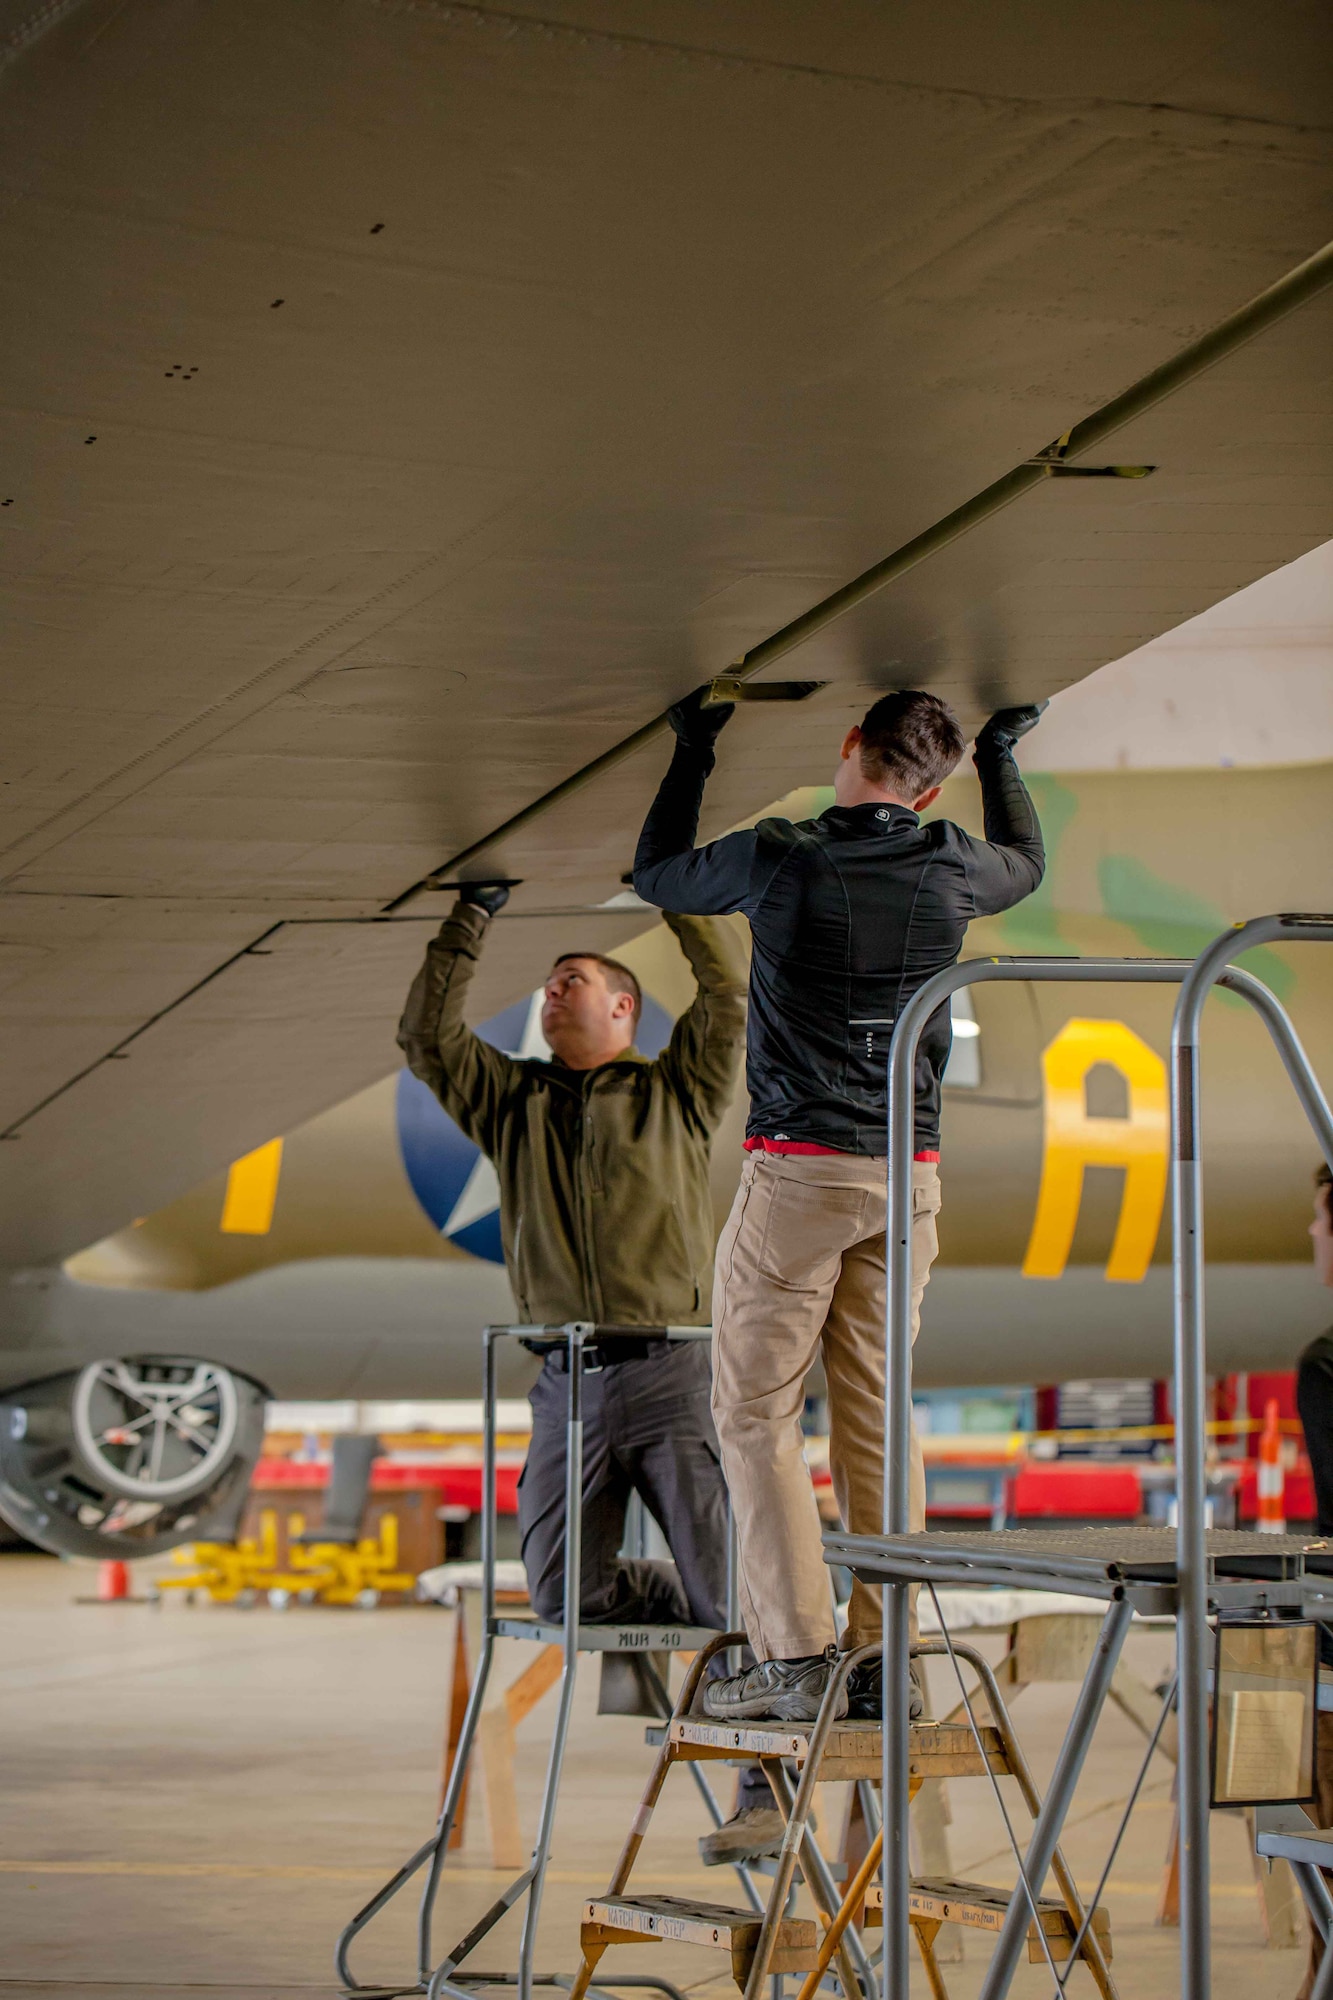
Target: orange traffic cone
[
  {"x": 113, "y": 1579},
  {"x": 1272, "y": 1480}
]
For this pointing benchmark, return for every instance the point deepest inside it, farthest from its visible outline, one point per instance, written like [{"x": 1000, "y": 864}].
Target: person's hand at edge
[
  {"x": 487, "y": 896},
  {"x": 1008, "y": 724},
  {"x": 697, "y": 726}
]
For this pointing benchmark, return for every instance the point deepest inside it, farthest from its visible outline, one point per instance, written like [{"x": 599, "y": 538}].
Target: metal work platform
[
  {"x": 1130, "y": 1569},
  {"x": 1243, "y": 1570},
  {"x": 453, "y": 1974},
  {"x": 1185, "y": 1572}
]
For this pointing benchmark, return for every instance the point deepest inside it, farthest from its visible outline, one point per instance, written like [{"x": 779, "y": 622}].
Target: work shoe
[
  {"x": 774, "y": 1691},
  {"x": 865, "y": 1691},
  {"x": 752, "y": 1834}
]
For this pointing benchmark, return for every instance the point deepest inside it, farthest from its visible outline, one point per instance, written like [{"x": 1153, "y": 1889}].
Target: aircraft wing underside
[{"x": 406, "y": 403}]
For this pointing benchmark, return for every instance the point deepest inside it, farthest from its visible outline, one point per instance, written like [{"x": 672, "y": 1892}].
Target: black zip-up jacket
[{"x": 849, "y": 914}]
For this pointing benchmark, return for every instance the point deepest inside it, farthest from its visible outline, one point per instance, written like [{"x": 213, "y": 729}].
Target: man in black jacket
[{"x": 849, "y": 914}]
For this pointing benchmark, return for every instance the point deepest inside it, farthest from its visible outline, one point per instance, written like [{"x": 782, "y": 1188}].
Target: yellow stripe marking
[{"x": 252, "y": 1191}]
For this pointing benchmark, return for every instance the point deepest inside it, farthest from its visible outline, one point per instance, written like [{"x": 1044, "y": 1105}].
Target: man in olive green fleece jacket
[{"x": 605, "y": 1215}]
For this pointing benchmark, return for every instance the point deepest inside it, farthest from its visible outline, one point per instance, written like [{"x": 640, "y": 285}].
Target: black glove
[
  {"x": 488, "y": 896},
  {"x": 696, "y": 725},
  {"x": 1008, "y": 724}
]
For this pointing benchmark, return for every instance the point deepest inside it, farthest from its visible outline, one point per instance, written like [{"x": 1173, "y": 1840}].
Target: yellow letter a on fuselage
[{"x": 1073, "y": 1141}]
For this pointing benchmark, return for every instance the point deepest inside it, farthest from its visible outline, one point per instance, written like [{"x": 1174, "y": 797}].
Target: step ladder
[{"x": 827, "y": 1752}]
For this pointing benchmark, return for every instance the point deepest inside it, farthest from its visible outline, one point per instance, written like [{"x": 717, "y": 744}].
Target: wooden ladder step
[
  {"x": 982, "y": 1907},
  {"x": 644, "y": 1919},
  {"x": 854, "y": 1749}
]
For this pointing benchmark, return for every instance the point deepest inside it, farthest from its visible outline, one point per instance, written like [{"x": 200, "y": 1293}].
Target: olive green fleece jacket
[{"x": 605, "y": 1210}]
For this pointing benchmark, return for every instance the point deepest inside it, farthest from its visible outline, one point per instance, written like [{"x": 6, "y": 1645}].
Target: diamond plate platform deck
[{"x": 1112, "y": 1562}]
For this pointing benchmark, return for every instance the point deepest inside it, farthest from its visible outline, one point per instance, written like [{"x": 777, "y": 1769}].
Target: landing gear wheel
[
  {"x": 129, "y": 1456},
  {"x": 155, "y": 1430}
]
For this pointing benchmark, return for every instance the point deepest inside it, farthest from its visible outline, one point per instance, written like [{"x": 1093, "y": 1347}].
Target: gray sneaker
[
  {"x": 774, "y": 1691},
  {"x": 749, "y": 1835},
  {"x": 865, "y": 1690}
]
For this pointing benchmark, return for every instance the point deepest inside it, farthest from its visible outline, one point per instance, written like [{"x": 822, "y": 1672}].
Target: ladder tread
[
  {"x": 688, "y": 1920},
  {"x": 853, "y": 1750},
  {"x": 984, "y": 1906}
]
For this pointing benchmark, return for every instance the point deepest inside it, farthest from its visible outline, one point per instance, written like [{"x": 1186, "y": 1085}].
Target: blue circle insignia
[{"x": 451, "y": 1177}]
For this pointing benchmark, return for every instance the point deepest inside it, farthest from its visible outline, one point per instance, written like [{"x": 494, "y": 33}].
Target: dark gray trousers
[{"x": 647, "y": 1428}]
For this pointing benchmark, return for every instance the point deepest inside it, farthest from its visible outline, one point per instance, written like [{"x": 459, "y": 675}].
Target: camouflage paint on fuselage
[{"x": 1138, "y": 863}]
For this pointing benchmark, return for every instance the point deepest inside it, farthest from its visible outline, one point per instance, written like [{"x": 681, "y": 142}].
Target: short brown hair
[
  {"x": 1323, "y": 1180},
  {"x": 619, "y": 978},
  {"x": 910, "y": 741}
]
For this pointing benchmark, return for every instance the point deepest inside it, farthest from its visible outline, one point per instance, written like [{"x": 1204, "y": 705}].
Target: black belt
[{"x": 631, "y": 1348}]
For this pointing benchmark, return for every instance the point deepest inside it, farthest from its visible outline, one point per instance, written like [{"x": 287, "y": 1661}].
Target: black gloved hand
[
  {"x": 1008, "y": 724},
  {"x": 488, "y": 896},
  {"x": 696, "y": 725}
]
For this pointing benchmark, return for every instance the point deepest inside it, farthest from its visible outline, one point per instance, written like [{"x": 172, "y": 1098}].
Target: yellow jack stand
[
  {"x": 231, "y": 1572},
  {"x": 345, "y": 1573}
]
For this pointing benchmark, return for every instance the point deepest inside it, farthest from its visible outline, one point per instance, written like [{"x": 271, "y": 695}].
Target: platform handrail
[
  {"x": 1211, "y": 967},
  {"x": 898, "y": 1380}
]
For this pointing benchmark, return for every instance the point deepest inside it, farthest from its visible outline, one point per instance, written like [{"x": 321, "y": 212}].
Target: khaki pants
[{"x": 800, "y": 1270}]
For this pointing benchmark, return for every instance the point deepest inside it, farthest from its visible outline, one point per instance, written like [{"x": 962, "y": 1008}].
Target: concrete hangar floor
[{"x": 195, "y": 1800}]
